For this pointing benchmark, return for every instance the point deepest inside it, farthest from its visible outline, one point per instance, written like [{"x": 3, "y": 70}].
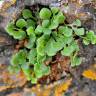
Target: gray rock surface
[
  {"x": 43, "y": 2},
  {"x": 71, "y": 11}
]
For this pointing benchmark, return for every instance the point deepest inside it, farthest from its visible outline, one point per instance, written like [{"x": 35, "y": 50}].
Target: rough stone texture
[
  {"x": 6, "y": 47},
  {"x": 82, "y": 9},
  {"x": 8, "y": 12},
  {"x": 43, "y": 2}
]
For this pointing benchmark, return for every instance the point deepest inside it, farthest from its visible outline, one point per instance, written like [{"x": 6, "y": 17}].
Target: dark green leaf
[
  {"x": 45, "y": 23},
  {"x": 19, "y": 58},
  {"x": 32, "y": 56},
  {"x": 45, "y": 69},
  {"x": 41, "y": 59},
  {"x": 14, "y": 69},
  {"x": 54, "y": 34},
  {"x": 27, "y": 13},
  {"x": 67, "y": 40},
  {"x": 30, "y": 30},
  {"x": 10, "y": 28},
  {"x": 30, "y": 22},
  {"x": 93, "y": 40},
  {"x": 86, "y": 42},
  {"x": 77, "y": 23},
  {"x": 60, "y": 18},
  {"x": 54, "y": 24},
  {"x": 41, "y": 46},
  {"x": 37, "y": 70},
  {"x": 67, "y": 51},
  {"x": 45, "y": 13},
  {"x": 31, "y": 41},
  {"x": 65, "y": 30},
  {"x": 76, "y": 61},
  {"x": 90, "y": 35},
  {"x": 19, "y": 34},
  {"x": 75, "y": 46},
  {"x": 50, "y": 49},
  {"x": 54, "y": 10},
  {"x": 59, "y": 44},
  {"x": 46, "y": 31},
  {"x": 39, "y": 29},
  {"x": 79, "y": 31},
  {"x": 33, "y": 80},
  {"x": 21, "y": 23},
  {"x": 26, "y": 69}
]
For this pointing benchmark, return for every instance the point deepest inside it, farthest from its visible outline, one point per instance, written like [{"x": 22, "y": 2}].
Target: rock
[
  {"x": 42, "y": 2},
  {"x": 15, "y": 94},
  {"x": 82, "y": 9},
  {"x": 8, "y": 81},
  {"x": 6, "y": 46}
]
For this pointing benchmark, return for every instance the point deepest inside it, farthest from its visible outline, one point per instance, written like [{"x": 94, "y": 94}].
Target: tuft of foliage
[
  {"x": 45, "y": 13},
  {"x": 90, "y": 38},
  {"x": 45, "y": 40}
]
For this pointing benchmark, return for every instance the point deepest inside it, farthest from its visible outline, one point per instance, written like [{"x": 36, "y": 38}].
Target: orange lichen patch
[
  {"x": 59, "y": 87},
  {"x": 7, "y": 4},
  {"x": 11, "y": 80},
  {"x": 12, "y": 1},
  {"x": 43, "y": 92},
  {"x": 91, "y": 74},
  {"x": 21, "y": 79},
  {"x": 38, "y": 91},
  {"x": 46, "y": 92},
  {"x": 3, "y": 88},
  {"x": 82, "y": 15},
  {"x": 15, "y": 94},
  {"x": 62, "y": 87},
  {"x": 5, "y": 77},
  {"x": 94, "y": 66}
]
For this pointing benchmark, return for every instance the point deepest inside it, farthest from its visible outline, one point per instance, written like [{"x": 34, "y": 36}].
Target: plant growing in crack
[{"x": 45, "y": 40}]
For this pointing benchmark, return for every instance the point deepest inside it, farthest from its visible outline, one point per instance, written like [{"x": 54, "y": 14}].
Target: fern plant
[{"x": 45, "y": 40}]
